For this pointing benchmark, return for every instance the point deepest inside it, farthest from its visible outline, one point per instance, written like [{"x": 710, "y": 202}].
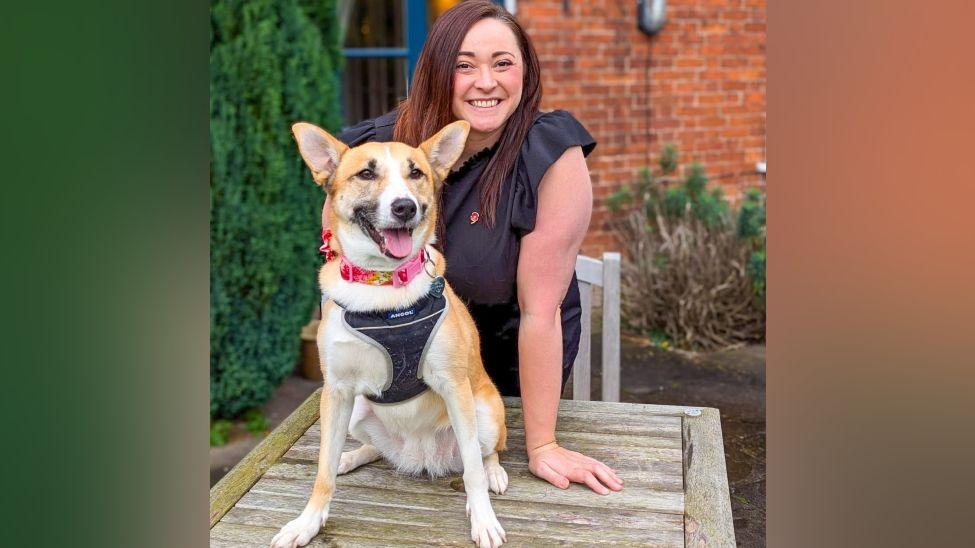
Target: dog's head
[{"x": 383, "y": 194}]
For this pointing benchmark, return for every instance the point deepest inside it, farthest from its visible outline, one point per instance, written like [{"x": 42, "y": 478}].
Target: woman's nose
[{"x": 485, "y": 79}]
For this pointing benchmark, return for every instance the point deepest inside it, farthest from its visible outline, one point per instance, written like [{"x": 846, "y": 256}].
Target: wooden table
[{"x": 671, "y": 460}]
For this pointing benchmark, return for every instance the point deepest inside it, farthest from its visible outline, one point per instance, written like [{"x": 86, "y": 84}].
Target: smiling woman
[
  {"x": 475, "y": 51},
  {"x": 512, "y": 214},
  {"x": 487, "y": 81}
]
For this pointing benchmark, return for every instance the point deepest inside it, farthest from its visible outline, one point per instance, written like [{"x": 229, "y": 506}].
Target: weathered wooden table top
[{"x": 671, "y": 460}]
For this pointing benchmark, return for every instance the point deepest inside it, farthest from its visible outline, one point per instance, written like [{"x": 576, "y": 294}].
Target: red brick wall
[{"x": 699, "y": 83}]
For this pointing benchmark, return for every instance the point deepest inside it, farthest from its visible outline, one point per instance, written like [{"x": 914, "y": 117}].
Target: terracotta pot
[{"x": 311, "y": 367}]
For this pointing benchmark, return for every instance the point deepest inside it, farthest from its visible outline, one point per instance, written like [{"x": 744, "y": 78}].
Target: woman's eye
[
  {"x": 366, "y": 174},
  {"x": 505, "y": 63},
  {"x": 464, "y": 66},
  {"x": 416, "y": 174}
]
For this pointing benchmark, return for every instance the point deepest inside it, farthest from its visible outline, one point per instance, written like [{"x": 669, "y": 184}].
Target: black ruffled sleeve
[
  {"x": 360, "y": 133},
  {"x": 377, "y": 129},
  {"x": 549, "y": 137}
]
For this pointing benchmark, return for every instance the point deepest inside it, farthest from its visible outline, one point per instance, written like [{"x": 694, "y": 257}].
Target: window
[{"x": 382, "y": 43}]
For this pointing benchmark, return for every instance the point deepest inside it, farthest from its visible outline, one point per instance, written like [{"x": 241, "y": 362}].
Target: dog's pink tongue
[{"x": 398, "y": 242}]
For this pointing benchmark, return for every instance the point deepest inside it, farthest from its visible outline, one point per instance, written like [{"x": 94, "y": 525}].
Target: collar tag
[{"x": 437, "y": 287}]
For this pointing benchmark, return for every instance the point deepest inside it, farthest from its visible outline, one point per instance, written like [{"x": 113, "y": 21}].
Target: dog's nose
[{"x": 404, "y": 209}]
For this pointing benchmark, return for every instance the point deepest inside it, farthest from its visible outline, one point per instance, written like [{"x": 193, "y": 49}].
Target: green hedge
[{"x": 272, "y": 62}]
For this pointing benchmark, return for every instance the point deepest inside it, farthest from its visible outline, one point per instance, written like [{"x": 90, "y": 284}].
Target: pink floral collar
[
  {"x": 396, "y": 278},
  {"x": 352, "y": 273}
]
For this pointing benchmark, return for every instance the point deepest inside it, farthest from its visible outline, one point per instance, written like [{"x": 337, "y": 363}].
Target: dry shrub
[
  {"x": 687, "y": 281},
  {"x": 686, "y": 270}
]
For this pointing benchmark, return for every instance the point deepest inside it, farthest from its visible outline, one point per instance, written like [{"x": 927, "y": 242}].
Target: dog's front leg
[
  {"x": 486, "y": 532},
  {"x": 336, "y": 410}
]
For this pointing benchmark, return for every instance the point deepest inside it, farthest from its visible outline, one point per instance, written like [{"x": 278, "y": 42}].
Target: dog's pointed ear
[
  {"x": 320, "y": 150},
  {"x": 444, "y": 148}
]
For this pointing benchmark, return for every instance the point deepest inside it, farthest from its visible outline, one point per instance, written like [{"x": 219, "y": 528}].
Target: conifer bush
[
  {"x": 694, "y": 274},
  {"x": 272, "y": 63},
  {"x": 751, "y": 226}
]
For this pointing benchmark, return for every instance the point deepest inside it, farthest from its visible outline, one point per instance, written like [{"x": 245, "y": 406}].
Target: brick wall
[{"x": 699, "y": 83}]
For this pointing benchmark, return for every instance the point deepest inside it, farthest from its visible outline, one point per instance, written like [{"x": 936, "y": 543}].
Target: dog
[{"x": 443, "y": 414}]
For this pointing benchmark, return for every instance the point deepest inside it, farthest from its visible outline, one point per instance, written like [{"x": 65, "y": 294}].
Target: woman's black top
[{"x": 482, "y": 261}]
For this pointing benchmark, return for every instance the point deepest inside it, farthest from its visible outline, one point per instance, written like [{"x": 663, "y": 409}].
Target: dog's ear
[
  {"x": 320, "y": 150},
  {"x": 444, "y": 148}
]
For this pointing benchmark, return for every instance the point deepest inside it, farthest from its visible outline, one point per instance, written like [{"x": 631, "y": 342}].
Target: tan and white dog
[{"x": 383, "y": 214}]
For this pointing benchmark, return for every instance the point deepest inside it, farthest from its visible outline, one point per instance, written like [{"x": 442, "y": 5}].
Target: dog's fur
[{"x": 459, "y": 423}]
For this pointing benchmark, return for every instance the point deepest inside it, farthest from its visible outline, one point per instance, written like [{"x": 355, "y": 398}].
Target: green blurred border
[{"x": 106, "y": 150}]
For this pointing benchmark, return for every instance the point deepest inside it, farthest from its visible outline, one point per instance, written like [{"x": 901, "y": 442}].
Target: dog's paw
[
  {"x": 486, "y": 531},
  {"x": 350, "y": 460},
  {"x": 497, "y": 478},
  {"x": 299, "y": 531},
  {"x": 347, "y": 462}
]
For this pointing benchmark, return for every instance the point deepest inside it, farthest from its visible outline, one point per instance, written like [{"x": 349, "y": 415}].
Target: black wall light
[{"x": 650, "y": 15}]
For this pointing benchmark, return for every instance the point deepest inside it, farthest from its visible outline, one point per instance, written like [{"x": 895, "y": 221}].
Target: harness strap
[{"x": 404, "y": 337}]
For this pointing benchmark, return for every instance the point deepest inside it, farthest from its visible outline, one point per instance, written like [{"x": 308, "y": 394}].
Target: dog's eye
[
  {"x": 416, "y": 174},
  {"x": 366, "y": 174}
]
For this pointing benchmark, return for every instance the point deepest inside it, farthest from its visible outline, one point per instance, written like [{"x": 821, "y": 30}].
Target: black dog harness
[{"x": 403, "y": 336}]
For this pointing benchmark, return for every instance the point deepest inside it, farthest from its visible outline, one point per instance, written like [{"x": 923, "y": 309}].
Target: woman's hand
[{"x": 559, "y": 466}]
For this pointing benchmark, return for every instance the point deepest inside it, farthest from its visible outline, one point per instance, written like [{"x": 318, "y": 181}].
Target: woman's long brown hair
[{"x": 427, "y": 109}]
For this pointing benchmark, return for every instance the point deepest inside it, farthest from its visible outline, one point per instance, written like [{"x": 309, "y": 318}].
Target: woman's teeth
[{"x": 485, "y": 104}]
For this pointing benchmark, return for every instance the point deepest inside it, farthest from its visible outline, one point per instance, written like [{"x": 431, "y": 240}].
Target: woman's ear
[
  {"x": 320, "y": 150},
  {"x": 444, "y": 148}
]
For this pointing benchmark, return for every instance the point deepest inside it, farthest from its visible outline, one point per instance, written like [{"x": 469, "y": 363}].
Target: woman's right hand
[{"x": 560, "y": 466}]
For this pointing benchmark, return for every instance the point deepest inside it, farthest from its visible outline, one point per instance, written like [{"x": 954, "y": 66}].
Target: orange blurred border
[{"x": 871, "y": 128}]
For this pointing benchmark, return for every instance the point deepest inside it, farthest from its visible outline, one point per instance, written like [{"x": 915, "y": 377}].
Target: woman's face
[{"x": 488, "y": 76}]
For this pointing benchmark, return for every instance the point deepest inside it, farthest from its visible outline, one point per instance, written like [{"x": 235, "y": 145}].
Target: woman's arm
[{"x": 545, "y": 266}]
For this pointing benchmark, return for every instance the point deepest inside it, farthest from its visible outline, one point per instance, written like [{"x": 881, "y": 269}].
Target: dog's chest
[
  {"x": 355, "y": 363},
  {"x": 349, "y": 361}
]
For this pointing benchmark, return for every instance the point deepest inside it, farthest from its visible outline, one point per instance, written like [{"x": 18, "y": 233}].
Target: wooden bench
[{"x": 670, "y": 457}]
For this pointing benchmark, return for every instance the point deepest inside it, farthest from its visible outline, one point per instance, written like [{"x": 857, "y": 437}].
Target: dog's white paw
[
  {"x": 497, "y": 478},
  {"x": 348, "y": 462},
  {"x": 299, "y": 531},
  {"x": 486, "y": 531}
]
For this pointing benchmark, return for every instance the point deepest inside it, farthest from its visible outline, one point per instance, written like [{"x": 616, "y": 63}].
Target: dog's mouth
[{"x": 393, "y": 242}]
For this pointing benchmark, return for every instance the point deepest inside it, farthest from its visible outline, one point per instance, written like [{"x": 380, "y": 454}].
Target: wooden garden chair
[{"x": 606, "y": 274}]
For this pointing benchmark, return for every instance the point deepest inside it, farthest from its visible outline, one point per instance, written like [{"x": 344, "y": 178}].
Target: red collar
[
  {"x": 396, "y": 278},
  {"x": 352, "y": 273}
]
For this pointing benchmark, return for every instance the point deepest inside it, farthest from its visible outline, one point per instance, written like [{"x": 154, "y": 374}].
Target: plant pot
[{"x": 311, "y": 367}]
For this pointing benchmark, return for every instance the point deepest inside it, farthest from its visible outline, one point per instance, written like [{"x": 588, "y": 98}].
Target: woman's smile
[{"x": 484, "y": 104}]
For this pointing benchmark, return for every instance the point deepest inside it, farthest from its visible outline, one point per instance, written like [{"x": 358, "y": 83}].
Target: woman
[{"x": 514, "y": 213}]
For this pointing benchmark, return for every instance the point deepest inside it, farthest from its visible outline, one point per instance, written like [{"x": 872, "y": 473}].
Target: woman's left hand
[{"x": 560, "y": 466}]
